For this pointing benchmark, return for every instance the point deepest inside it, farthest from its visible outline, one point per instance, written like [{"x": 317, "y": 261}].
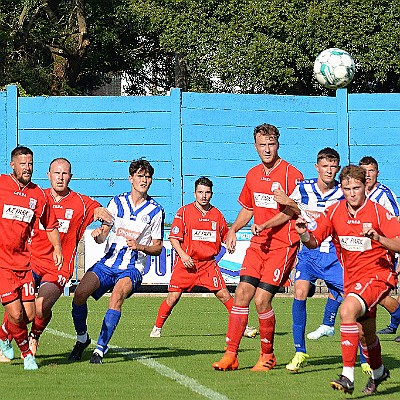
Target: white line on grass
[{"x": 183, "y": 380}]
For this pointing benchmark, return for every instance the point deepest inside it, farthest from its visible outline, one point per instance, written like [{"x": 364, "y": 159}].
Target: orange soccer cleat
[
  {"x": 229, "y": 362},
  {"x": 265, "y": 362}
]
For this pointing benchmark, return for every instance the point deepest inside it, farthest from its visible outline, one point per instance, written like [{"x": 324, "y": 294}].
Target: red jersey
[
  {"x": 258, "y": 196},
  {"x": 201, "y": 233},
  {"x": 74, "y": 213},
  {"x": 360, "y": 256},
  {"x": 21, "y": 208}
]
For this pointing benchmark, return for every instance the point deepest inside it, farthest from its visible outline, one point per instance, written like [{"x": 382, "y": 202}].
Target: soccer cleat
[
  {"x": 155, "y": 332},
  {"x": 30, "y": 363},
  {"x": 33, "y": 343},
  {"x": 96, "y": 358},
  {"x": 373, "y": 384},
  {"x": 250, "y": 332},
  {"x": 229, "y": 362},
  {"x": 397, "y": 339},
  {"x": 322, "y": 330},
  {"x": 343, "y": 383},
  {"x": 265, "y": 363},
  {"x": 3, "y": 358},
  {"x": 7, "y": 349},
  {"x": 299, "y": 360},
  {"x": 365, "y": 368},
  {"x": 76, "y": 353},
  {"x": 387, "y": 331}
]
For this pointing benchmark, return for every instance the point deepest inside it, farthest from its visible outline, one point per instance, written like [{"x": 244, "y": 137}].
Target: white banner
[{"x": 158, "y": 269}]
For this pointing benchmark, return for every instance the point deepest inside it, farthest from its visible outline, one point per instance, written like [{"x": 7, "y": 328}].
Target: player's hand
[
  {"x": 97, "y": 232},
  {"x": 281, "y": 197},
  {"x": 230, "y": 242},
  {"x": 256, "y": 229},
  {"x": 103, "y": 215},
  {"x": 187, "y": 261},
  {"x": 58, "y": 257},
  {"x": 371, "y": 233},
  {"x": 300, "y": 225},
  {"x": 133, "y": 244}
]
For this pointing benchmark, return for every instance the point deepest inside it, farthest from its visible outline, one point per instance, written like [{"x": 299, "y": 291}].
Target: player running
[{"x": 368, "y": 236}]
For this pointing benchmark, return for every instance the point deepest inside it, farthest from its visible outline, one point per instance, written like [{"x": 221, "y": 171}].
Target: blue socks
[
  {"x": 331, "y": 309},
  {"x": 299, "y": 315},
  {"x": 395, "y": 319},
  {"x": 110, "y": 322}
]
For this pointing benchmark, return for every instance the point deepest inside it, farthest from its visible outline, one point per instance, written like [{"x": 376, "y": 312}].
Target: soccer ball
[{"x": 334, "y": 68}]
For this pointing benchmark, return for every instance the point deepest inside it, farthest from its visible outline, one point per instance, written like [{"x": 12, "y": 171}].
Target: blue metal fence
[{"x": 185, "y": 135}]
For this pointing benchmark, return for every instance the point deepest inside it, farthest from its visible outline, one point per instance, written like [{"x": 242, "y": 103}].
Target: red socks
[
  {"x": 163, "y": 313},
  {"x": 267, "y": 331},
  {"x": 349, "y": 341},
  {"x": 238, "y": 319}
]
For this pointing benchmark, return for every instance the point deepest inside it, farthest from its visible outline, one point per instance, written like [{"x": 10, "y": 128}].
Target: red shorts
[
  {"x": 59, "y": 278},
  {"x": 15, "y": 284},
  {"x": 272, "y": 267},
  {"x": 371, "y": 290},
  {"x": 206, "y": 274}
]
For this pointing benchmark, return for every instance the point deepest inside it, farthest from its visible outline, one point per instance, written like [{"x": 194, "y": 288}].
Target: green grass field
[{"x": 178, "y": 365}]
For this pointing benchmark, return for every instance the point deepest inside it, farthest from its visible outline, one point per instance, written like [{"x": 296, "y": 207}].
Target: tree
[
  {"x": 260, "y": 46},
  {"x": 244, "y": 46}
]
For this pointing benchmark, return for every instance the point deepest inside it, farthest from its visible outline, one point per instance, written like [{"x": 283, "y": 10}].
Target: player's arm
[
  {"x": 186, "y": 259},
  {"x": 54, "y": 239},
  {"x": 103, "y": 215},
  {"x": 306, "y": 237},
  {"x": 100, "y": 234},
  {"x": 276, "y": 220},
  {"x": 291, "y": 208},
  {"x": 153, "y": 249},
  {"x": 391, "y": 244},
  {"x": 242, "y": 220}
]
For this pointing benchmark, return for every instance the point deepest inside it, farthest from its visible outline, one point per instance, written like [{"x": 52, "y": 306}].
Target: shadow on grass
[{"x": 129, "y": 354}]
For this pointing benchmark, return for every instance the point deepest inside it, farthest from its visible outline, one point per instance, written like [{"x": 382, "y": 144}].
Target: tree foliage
[{"x": 244, "y": 46}]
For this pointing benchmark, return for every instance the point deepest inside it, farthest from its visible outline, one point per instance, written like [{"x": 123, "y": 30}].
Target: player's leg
[
  {"x": 164, "y": 312},
  {"x": 128, "y": 283},
  {"x": 372, "y": 351},
  {"x": 299, "y": 317},
  {"x": 89, "y": 284},
  {"x": 332, "y": 273},
  {"x": 16, "y": 310},
  {"x": 48, "y": 294},
  {"x": 352, "y": 308},
  {"x": 6, "y": 347},
  {"x": 227, "y": 300},
  {"x": 393, "y": 307},
  {"x": 266, "y": 318},
  {"x": 237, "y": 322}
]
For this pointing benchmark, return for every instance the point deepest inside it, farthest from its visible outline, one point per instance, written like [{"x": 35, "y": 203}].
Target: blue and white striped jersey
[
  {"x": 143, "y": 223},
  {"x": 385, "y": 197},
  {"x": 312, "y": 202}
]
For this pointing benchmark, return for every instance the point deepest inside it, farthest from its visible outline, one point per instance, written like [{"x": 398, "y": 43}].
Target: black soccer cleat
[
  {"x": 96, "y": 358},
  {"x": 343, "y": 383},
  {"x": 76, "y": 353},
  {"x": 373, "y": 384},
  {"x": 387, "y": 331}
]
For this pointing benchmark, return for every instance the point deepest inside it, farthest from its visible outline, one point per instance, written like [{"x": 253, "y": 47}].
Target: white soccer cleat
[
  {"x": 250, "y": 332},
  {"x": 155, "y": 332},
  {"x": 3, "y": 358},
  {"x": 323, "y": 330}
]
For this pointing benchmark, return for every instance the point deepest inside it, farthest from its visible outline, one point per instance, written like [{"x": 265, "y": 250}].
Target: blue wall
[{"x": 186, "y": 135}]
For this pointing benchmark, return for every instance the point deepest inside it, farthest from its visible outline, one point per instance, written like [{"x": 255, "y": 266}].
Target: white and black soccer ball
[{"x": 334, "y": 68}]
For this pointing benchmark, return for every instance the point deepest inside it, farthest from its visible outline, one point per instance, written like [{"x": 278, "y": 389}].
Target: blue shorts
[
  {"x": 109, "y": 277},
  {"x": 313, "y": 265}
]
